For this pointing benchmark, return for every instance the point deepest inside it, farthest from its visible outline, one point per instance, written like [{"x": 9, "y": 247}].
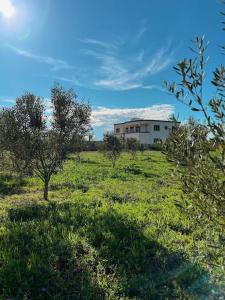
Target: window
[
  {"x": 166, "y": 127},
  {"x": 127, "y": 130},
  {"x": 137, "y": 129},
  {"x": 117, "y": 130},
  {"x": 156, "y": 128},
  {"x": 131, "y": 129},
  {"x": 157, "y": 141}
]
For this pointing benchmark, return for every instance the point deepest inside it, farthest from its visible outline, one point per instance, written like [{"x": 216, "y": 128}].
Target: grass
[{"x": 105, "y": 234}]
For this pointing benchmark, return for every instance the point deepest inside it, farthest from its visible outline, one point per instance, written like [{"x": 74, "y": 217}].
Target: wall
[{"x": 147, "y": 133}]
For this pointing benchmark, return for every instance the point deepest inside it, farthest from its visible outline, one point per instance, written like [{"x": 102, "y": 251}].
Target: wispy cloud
[
  {"x": 116, "y": 64},
  {"x": 120, "y": 74},
  {"x": 98, "y": 43},
  {"x": 142, "y": 30},
  {"x": 105, "y": 117},
  {"x": 116, "y": 71},
  {"x": 55, "y": 64}
]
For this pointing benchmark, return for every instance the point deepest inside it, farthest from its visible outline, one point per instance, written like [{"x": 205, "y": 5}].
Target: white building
[{"x": 147, "y": 132}]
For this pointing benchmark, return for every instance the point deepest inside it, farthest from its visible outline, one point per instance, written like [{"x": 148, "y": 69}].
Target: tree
[
  {"x": 187, "y": 143},
  {"x": 36, "y": 144},
  {"x": 203, "y": 179},
  {"x": 19, "y": 127},
  {"x": 132, "y": 146},
  {"x": 112, "y": 147},
  {"x": 70, "y": 119}
]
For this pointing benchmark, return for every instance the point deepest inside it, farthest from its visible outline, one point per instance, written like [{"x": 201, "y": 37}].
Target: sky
[{"x": 115, "y": 54}]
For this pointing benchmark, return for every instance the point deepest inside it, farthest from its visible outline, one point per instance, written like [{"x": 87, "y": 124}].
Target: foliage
[
  {"x": 120, "y": 239},
  {"x": 201, "y": 148},
  {"x": 36, "y": 145},
  {"x": 132, "y": 146},
  {"x": 112, "y": 147},
  {"x": 19, "y": 127},
  {"x": 194, "y": 146}
]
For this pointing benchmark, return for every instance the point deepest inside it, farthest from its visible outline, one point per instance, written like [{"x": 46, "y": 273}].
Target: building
[{"x": 147, "y": 132}]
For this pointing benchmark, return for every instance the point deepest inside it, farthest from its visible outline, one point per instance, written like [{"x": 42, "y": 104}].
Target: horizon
[{"x": 112, "y": 54}]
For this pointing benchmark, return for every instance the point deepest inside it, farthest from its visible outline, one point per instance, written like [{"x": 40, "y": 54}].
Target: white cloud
[
  {"x": 117, "y": 72},
  {"x": 55, "y": 64},
  {"x": 99, "y": 43},
  {"x": 143, "y": 28},
  {"x": 105, "y": 117}
]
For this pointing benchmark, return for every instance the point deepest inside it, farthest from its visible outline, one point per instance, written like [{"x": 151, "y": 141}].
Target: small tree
[
  {"x": 132, "y": 146},
  {"x": 36, "y": 145},
  {"x": 70, "y": 119},
  {"x": 206, "y": 161},
  {"x": 112, "y": 147},
  {"x": 19, "y": 127}
]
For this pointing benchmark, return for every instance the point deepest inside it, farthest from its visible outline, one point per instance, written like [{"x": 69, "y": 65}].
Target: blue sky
[{"x": 114, "y": 53}]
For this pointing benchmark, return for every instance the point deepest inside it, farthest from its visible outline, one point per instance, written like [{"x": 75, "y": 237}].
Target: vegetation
[
  {"x": 150, "y": 229},
  {"x": 105, "y": 233},
  {"x": 200, "y": 147},
  {"x": 204, "y": 177},
  {"x": 132, "y": 146},
  {"x": 112, "y": 147},
  {"x": 34, "y": 145}
]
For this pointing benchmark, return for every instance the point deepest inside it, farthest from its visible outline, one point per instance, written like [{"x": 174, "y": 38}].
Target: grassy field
[{"x": 104, "y": 234}]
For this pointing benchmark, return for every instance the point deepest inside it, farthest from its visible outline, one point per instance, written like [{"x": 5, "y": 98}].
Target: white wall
[{"x": 146, "y": 137}]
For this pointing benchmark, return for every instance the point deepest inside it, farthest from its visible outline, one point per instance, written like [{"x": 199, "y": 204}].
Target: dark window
[
  {"x": 131, "y": 129},
  {"x": 157, "y": 141},
  {"x": 166, "y": 127},
  {"x": 127, "y": 130},
  {"x": 156, "y": 128},
  {"x": 137, "y": 129},
  {"x": 117, "y": 130}
]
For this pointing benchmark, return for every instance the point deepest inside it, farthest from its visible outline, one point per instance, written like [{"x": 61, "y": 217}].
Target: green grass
[{"x": 105, "y": 234}]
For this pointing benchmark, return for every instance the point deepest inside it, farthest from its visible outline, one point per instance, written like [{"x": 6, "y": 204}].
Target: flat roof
[{"x": 142, "y": 120}]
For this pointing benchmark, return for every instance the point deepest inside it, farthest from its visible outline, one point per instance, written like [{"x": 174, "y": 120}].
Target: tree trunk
[
  {"x": 113, "y": 162},
  {"x": 46, "y": 182}
]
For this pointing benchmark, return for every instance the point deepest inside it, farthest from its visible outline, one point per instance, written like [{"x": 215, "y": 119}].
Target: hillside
[{"x": 104, "y": 234}]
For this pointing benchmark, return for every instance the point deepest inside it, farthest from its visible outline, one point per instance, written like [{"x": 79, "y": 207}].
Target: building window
[
  {"x": 137, "y": 129},
  {"x": 156, "y": 128},
  {"x": 157, "y": 141},
  {"x": 166, "y": 127},
  {"x": 127, "y": 130},
  {"x": 117, "y": 130},
  {"x": 131, "y": 129}
]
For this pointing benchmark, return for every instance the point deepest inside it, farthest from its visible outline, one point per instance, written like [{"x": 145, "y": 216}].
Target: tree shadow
[
  {"x": 10, "y": 185},
  {"x": 44, "y": 259},
  {"x": 146, "y": 268},
  {"x": 45, "y": 262}
]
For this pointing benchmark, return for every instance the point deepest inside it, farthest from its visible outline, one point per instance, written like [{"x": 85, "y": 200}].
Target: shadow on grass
[
  {"x": 89, "y": 161},
  {"x": 45, "y": 257},
  {"x": 10, "y": 185}
]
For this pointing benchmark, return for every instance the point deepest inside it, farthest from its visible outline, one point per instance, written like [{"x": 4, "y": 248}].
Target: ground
[{"x": 104, "y": 234}]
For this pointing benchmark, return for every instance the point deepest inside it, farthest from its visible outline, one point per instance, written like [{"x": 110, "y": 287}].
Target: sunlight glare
[{"x": 6, "y": 8}]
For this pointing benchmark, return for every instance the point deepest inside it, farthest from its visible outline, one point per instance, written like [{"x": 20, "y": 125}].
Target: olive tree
[
  {"x": 203, "y": 179},
  {"x": 70, "y": 118},
  {"x": 19, "y": 127},
  {"x": 112, "y": 147},
  {"x": 38, "y": 145},
  {"x": 132, "y": 146}
]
